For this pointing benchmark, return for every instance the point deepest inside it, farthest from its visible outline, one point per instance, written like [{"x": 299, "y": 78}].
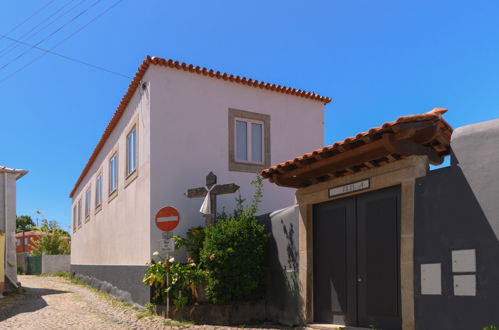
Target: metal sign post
[{"x": 167, "y": 246}]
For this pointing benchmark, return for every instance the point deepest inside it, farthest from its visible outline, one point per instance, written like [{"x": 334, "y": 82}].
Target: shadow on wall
[
  {"x": 449, "y": 217},
  {"x": 30, "y": 301},
  {"x": 282, "y": 288}
]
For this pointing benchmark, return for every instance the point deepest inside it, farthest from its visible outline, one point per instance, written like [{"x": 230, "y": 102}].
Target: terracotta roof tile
[{"x": 440, "y": 143}]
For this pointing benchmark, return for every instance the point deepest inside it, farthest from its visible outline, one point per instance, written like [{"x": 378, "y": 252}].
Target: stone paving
[{"x": 55, "y": 303}]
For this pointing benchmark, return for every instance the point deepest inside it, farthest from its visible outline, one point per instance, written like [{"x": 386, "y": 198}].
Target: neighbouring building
[
  {"x": 8, "y": 262},
  {"x": 380, "y": 240},
  {"x": 175, "y": 124},
  {"x": 25, "y": 243}
]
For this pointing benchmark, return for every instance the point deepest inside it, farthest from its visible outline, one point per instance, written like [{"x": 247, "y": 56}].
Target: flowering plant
[{"x": 182, "y": 284}]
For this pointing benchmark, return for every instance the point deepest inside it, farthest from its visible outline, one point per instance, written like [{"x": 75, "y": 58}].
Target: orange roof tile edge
[
  {"x": 435, "y": 113},
  {"x": 193, "y": 69}
]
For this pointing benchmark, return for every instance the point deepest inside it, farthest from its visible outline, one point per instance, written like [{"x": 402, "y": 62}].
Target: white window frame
[
  {"x": 98, "y": 190},
  {"x": 18, "y": 242},
  {"x": 111, "y": 188},
  {"x": 88, "y": 193},
  {"x": 249, "y": 142},
  {"x": 131, "y": 153}
]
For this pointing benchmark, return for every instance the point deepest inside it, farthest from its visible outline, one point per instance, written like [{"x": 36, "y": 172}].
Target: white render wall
[
  {"x": 189, "y": 138},
  {"x": 8, "y": 221},
  {"x": 119, "y": 233}
]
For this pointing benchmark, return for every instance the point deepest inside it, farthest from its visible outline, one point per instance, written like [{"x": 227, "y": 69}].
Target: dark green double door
[{"x": 356, "y": 252}]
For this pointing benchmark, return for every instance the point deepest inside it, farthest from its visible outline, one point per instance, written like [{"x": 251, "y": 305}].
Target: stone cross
[{"x": 220, "y": 189}]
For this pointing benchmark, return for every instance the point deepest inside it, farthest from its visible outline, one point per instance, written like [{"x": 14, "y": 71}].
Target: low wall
[
  {"x": 235, "y": 313},
  {"x": 52, "y": 264},
  {"x": 282, "y": 290},
  {"x": 123, "y": 282},
  {"x": 22, "y": 260}
]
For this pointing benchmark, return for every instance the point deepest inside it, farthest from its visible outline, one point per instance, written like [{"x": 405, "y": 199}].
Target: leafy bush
[
  {"x": 53, "y": 240},
  {"x": 192, "y": 243},
  {"x": 233, "y": 254}
]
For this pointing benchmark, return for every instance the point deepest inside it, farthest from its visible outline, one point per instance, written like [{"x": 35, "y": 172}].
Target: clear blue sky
[{"x": 377, "y": 59}]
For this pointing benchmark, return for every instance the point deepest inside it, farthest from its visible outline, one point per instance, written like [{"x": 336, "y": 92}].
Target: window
[
  {"x": 18, "y": 242},
  {"x": 87, "y": 203},
  {"x": 26, "y": 241},
  {"x": 74, "y": 217},
  {"x": 98, "y": 190},
  {"x": 113, "y": 173},
  {"x": 249, "y": 141},
  {"x": 131, "y": 151},
  {"x": 78, "y": 212}
]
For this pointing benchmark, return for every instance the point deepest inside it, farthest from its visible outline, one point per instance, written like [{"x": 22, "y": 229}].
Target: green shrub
[
  {"x": 192, "y": 243},
  {"x": 19, "y": 269},
  {"x": 233, "y": 254}
]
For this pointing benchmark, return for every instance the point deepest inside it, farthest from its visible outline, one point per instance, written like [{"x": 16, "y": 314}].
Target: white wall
[
  {"x": 119, "y": 233},
  {"x": 8, "y": 221},
  {"x": 189, "y": 138}
]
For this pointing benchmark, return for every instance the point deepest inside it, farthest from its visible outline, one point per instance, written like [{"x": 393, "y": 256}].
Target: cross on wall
[{"x": 214, "y": 190}]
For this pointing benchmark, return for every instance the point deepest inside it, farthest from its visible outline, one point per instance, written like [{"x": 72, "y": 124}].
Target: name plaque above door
[{"x": 349, "y": 188}]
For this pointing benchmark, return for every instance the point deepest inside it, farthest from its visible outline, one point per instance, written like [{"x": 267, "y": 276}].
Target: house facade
[
  {"x": 175, "y": 124},
  {"x": 8, "y": 262}
]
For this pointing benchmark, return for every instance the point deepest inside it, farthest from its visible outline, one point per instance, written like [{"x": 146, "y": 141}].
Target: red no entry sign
[{"x": 167, "y": 218}]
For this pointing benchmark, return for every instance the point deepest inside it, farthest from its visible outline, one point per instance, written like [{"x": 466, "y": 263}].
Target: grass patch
[
  {"x": 115, "y": 302},
  {"x": 147, "y": 311},
  {"x": 172, "y": 323}
]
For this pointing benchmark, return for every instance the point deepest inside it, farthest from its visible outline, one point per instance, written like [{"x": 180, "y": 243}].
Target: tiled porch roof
[{"x": 424, "y": 134}]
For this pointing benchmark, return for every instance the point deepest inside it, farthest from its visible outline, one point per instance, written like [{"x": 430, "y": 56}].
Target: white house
[
  {"x": 8, "y": 262},
  {"x": 175, "y": 124}
]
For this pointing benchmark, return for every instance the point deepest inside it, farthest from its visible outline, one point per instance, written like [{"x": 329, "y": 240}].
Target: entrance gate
[
  {"x": 34, "y": 265},
  {"x": 356, "y": 253}
]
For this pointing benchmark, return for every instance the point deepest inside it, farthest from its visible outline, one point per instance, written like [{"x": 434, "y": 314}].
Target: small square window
[{"x": 249, "y": 141}]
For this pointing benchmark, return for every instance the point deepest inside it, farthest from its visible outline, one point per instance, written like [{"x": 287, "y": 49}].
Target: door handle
[{"x": 359, "y": 280}]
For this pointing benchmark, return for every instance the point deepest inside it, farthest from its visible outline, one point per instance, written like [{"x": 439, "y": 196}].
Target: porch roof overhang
[
  {"x": 424, "y": 134},
  {"x": 19, "y": 173}
]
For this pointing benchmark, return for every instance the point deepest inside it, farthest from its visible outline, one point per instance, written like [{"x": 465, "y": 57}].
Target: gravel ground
[{"x": 55, "y": 303}]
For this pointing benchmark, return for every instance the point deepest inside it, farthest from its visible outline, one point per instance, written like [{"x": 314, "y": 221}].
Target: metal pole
[{"x": 168, "y": 293}]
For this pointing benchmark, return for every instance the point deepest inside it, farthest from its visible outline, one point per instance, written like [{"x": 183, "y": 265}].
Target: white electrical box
[
  {"x": 464, "y": 261},
  {"x": 464, "y": 285},
  {"x": 431, "y": 279}
]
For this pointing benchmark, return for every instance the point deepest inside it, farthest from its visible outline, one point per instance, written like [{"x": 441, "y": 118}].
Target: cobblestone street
[{"x": 55, "y": 303}]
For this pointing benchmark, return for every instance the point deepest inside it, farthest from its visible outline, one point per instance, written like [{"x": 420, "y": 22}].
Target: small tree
[
  {"x": 24, "y": 223},
  {"x": 53, "y": 240}
]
